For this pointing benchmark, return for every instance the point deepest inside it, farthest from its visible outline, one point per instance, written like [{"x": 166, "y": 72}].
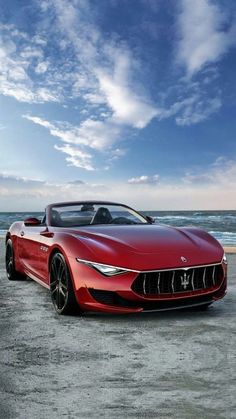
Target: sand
[
  {"x": 230, "y": 249},
  {"x": 178, "y": 365}
]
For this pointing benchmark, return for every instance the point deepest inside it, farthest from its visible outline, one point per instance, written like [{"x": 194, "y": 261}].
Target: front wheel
[
  {"x": 61, "y": 287},
  {"x": 12, "y": 274}
]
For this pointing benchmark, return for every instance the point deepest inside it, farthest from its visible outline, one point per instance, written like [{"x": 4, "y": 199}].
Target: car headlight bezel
[
  {"x": 224, "y": 259},
  {"x": 104, "y": 269}
]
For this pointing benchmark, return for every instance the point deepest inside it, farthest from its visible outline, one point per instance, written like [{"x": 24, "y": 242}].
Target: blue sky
[{"x": 118, "y": 99}]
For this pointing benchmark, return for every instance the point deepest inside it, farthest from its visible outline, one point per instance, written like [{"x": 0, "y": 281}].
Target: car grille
[{"x": 178, "y": 280}]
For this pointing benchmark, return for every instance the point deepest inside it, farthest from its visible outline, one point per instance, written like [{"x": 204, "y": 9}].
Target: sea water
[{"x": 221, "y": 224}]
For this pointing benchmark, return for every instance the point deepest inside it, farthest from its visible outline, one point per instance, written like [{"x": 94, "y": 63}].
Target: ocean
[{"x": 221, "y": 224}]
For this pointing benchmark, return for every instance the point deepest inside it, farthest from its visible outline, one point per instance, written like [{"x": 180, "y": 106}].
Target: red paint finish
[{"x": 141, "y": 247}]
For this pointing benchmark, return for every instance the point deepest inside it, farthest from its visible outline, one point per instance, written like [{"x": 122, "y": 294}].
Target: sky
[{"x": 126, "y": 100}]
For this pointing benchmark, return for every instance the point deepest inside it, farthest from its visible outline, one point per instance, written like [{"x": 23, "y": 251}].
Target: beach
[
  {"x": 178, "y": 364},
  {"x": 230, "y": 249}
]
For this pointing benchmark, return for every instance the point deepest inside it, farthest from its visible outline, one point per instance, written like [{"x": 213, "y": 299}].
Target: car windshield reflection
[{"x": 94, "y": 214}]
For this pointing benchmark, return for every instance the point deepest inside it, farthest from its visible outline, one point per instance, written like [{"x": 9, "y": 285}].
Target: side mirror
[
  {"x": 32, "y": 222},
  {"x": 150, "y": 219}
]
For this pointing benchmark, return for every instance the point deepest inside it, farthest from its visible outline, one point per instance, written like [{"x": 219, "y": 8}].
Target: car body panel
[{"x": 138, "y": 248}]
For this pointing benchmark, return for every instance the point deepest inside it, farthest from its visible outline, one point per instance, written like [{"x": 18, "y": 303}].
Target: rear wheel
[
  {"x": 61, "y": 287},
  {"x": 12, "y": 274}
]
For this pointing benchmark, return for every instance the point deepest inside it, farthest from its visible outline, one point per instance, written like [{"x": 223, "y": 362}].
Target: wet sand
[{"x": 162, "y": 365}]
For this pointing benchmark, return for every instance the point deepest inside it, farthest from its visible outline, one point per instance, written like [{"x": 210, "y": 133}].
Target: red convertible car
[{"x": 104, "y": 256}]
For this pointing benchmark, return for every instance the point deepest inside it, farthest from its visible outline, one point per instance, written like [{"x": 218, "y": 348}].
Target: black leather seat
[
  {"x": 55, "y": 219},
  {"x": 102, "y": 216}
]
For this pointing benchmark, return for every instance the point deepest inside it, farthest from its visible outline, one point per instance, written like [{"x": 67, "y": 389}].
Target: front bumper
[{"x": 97, "y": 293}]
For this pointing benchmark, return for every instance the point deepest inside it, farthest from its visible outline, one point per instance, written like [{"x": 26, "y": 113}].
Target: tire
[
  {"x": 12, "y": 274},
  {"x": 61, "y": 287}
]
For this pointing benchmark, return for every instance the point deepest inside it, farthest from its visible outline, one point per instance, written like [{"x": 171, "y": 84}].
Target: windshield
[{"x": 94, "y": 214}]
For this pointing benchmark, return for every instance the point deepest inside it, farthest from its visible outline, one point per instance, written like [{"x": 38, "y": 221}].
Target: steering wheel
[{"x": 121, "y": 220}]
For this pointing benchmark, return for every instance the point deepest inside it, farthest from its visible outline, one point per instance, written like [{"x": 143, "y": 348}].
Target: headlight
[
  {"x": 225, "y": 259},
  {"x": 106, "y": 270}
]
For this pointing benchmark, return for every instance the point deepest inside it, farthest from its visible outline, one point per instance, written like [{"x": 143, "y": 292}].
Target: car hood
[{"x": 144, "y": 247}]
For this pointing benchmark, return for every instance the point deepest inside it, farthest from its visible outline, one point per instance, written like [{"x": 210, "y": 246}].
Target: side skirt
[{"x": 35, "y": 278}]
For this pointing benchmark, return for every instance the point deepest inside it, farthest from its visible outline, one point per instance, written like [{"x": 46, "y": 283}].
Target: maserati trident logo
[
  {"x": 185, "y": 280},
  {"x": 183, "y": 259}
]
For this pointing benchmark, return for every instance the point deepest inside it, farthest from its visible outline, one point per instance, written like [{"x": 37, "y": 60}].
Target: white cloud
[
  {"x": 144, "y": 179},
  {"x": 77, "y": 158},
  {"x": 117, "y": 153},
  {"x": 108, "y": 67},
  {"x": 26, "y": 194},
  {"x": 198, "y": 111},
  {"x": 41, "y": 67},
  {"x": 30, "y": 52},
  {"x": 39, "y": 121},
  {"x": 94, "y": 98},
  {"x": 128, "y": 106},
  {"x": 101, "y": 72},
  {"x": 222, "y": 172},
  {"x": 204, "y": 36},
  {"x": 90, "y": 134},
  {"x": 18, "y": 56},
  {"x": 96, "y": 135}
]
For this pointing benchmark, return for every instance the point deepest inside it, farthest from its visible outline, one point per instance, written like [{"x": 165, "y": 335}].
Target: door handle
[{"x": 22, "y": 233}]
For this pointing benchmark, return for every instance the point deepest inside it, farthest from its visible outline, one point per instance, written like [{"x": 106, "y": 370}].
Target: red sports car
[{"x": 104, "y": 256}]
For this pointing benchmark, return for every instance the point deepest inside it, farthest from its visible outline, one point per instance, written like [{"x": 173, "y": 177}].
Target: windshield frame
[{"x": 50, "y": 207}]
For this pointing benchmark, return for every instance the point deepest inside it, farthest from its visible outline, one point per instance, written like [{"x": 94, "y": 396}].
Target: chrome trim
[
  {"x": 89, "y": 262},
  {"x": 213, "y": 275},
  {"x": 192, "y": 280},
  {"x": 172, "y": 282},
  {"x": 178, "y": 269},
  {"x": 92, "y": 263},
  {"x": 203, "y": 279},
  {"x": 144, "y": 284},
  {"x": 158, "y": 283},
  {"x": 186, "y": 278}
]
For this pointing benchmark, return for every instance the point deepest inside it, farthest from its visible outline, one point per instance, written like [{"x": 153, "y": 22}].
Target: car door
[
  {"x": 45, "y": 241},
  {"x": 33, "y": 246},
  {"x": 28, "y": 246}
]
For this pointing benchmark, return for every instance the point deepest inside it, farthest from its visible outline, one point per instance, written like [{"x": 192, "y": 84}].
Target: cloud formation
[
  {"x": 72, "y": 62},
  {"x": 90, "y": 134},
  {"x": 144, "y": 179},
  {"x": 222, "y": 172},
  {"x": 205, "y": 34},
  {"x": 186, "y": 194},
  {"x": 20, "y": 57}
]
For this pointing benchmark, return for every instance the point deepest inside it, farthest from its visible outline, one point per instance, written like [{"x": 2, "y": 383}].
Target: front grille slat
[
  {"x": 175, "y": 281},
  {"x": 158, "y": 283},
  {"x": 203, "y": 279},
  {"x": 172, "y": 282},
  {"x": 144, "y": 284},
  {"x": 213, "y": 275},
  {"x": 192, "y": 280}
]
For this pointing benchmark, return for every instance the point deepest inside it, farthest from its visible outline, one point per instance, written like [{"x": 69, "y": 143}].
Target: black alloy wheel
[
  {"x": 12, "y": 274},
  {"x": 61, "y": 287}
]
